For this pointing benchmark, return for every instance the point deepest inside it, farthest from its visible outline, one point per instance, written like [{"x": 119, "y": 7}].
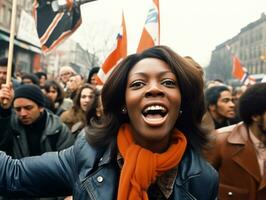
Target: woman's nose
[
  {"x": 154, "y": 90},
  {"x": 87, "y": 99}
]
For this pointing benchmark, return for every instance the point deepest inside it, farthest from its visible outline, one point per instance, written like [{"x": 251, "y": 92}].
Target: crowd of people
[{"x": 155, "y": 130}]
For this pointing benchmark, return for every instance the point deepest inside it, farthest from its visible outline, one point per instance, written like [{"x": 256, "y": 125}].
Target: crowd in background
[
  {"x": 235, "y": 120},
  {"x": 42, "y": 114}
]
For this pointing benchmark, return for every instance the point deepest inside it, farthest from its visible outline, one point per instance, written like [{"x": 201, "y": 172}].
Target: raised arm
[
  {"x": 51, "y": 174},
  {"x": 6, "y": 98}
]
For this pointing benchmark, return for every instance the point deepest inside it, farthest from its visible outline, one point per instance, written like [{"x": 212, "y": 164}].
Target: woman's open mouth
[{"x": 155, "y": 115}]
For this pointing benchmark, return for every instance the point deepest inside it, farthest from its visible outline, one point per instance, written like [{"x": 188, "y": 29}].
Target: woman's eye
[
  {"x": 169, "y": 83},
  {"x": 136, "y": 84}
]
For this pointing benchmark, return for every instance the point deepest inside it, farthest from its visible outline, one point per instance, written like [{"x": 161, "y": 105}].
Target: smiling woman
[
  {"x": 153, "y": 102},
  {"x": 147, "y": 145}
]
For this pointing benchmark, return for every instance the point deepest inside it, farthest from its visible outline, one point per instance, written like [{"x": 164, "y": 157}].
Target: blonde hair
[{"x": 67, "y": 69}]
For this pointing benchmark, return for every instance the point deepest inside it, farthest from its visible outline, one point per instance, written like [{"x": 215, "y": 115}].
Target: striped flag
[
  {"x": 52, "y": 27},
  {"x": 118, "y": 53},
  {"x": 151, "y": 31},
  {"x": 240, "y": 72}
]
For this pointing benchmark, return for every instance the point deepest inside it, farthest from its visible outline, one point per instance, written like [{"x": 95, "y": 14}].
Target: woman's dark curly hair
[{"x": 252, "y": 102}]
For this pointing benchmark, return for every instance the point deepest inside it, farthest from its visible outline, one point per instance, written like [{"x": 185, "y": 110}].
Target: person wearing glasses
[{"x": 146, "y": 145}]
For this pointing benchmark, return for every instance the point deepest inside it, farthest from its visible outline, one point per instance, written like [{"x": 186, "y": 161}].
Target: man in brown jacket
[{"x": 239, "y": 151}]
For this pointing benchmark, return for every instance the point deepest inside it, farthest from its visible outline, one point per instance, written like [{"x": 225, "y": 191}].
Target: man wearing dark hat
[{"x": 28, "y": 129}]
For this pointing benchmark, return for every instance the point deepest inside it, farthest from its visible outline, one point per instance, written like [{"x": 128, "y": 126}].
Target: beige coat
[{"x": 74, "y": 120}]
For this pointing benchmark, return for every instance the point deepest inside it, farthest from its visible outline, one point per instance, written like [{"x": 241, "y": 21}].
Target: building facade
[
  {"x": 249, "y": 45},
  {"x": 26, "y": 53},
  {"x": 68, "y": 53}
]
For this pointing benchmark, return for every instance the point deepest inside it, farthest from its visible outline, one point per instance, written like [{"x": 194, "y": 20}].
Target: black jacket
[
  {"x": 92, "y": 174},
  {"x": 13, "y": 140}
]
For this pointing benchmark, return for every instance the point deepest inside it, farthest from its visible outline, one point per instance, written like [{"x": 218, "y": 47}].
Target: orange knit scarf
[{"x": 141, "y": 166}]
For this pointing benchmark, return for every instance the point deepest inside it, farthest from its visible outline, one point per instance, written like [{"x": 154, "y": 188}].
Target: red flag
[
  {"x": 151, "y": 31},
  {"x": 115, "y": 56},
  {"x": 53, "y": 27},
  {"x": 240, "y": 72}
]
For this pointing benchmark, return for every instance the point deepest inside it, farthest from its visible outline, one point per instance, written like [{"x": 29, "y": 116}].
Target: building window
[
  {"x": 28, "y": 5},
  {"x": 9, "y": 15},
  {"x": 257, "y": 52},
  {"x": 241, "y": 42},
  {"x": 253, "y": 70},
  {"x": 21, "y": 3},
  {"x": 246, "y": 41},
  {"x": 2, "y": 13},
  {"x": 241, "y": 55}
]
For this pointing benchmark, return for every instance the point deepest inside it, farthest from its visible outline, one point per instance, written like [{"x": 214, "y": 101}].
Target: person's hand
[
  {"x": 6, "y": 95},
  {"x": 69, "y": 198}
]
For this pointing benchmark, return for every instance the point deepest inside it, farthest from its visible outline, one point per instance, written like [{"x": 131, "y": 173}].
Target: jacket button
[
  {"x": 230, "y": 193},
  {"x": 100, "y": 179}
]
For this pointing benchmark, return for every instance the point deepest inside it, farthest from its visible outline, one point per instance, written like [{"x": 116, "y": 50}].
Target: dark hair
[
  {"x": 4, "y": 61},
  {"x": 32, "y": 77},
  {"x": 93, "y": 70},
  {"x": 60, "y": 92},
  {"x": 76, "y": 100},
  {"x": 252, "y": 102},
  {"x": 190, "y": 83},
  {"x": 194, "y": 63},
  {"x": 40, "y": 74},
  {"x": 93, "y": 113},
  {"x": 212, "y": 94}
]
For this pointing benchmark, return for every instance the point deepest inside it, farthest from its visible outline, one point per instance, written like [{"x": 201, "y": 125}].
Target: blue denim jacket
[{"x": 89, "y": 173}]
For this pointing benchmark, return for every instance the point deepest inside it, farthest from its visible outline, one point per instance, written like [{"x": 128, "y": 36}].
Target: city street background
[{"x": 190, "y": 27}]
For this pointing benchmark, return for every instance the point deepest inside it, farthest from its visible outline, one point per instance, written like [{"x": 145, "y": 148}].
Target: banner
[
  {"x": 27, "y": 30},
  {"x": 119, "y": 52},
  {"x": 240, "y": 72},
  {"x": 52, "y": 27}
]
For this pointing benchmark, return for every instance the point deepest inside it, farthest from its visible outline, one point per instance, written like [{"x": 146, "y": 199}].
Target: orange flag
[
  {"x": 238, "y": 70},
  {"x": 151, "y": 31},
  {"x": 115, "y": 56}
]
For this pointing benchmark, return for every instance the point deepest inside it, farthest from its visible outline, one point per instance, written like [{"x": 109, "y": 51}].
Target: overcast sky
[{"x": 190, "y": 27}]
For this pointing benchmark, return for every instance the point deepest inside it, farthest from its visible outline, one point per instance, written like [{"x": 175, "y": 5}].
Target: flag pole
[
  {"x": 11, "y": 41},
  {"x": 11, "y": 44}
]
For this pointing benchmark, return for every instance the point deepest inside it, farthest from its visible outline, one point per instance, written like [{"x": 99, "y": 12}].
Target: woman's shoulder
[
  {"x": 85, "y": 155},
  {"x": 88, "y": 156},
  {"x": 193, "y": 163},
  {"x": 194, "y": 173},
  {"x": 81, "y": 145},
  {"x": 86, "y": 151}
]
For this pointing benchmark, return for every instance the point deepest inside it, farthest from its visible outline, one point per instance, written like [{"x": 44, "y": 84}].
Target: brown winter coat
[
  {"x": 74, "y": 120},
  {"x": 234, "y": 156}
]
